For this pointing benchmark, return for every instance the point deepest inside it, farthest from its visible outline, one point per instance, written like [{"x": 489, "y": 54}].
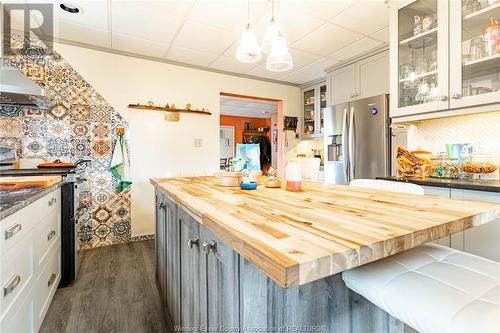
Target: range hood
[{"x": 18, "y": 90}]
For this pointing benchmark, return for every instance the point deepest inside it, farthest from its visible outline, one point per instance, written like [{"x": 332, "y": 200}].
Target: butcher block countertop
[{"x": 299, "y": 237}]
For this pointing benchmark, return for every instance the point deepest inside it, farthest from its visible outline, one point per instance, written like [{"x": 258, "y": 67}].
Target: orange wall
[{"x": 239, "y": 123}]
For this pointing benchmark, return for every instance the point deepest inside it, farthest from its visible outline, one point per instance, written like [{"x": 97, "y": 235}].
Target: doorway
[{"x": 250, "y": 124}]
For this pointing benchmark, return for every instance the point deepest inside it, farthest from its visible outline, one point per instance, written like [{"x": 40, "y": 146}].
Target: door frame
[
  {"x": 234, "y": 137},
  {"x": 279, "y": 123}
]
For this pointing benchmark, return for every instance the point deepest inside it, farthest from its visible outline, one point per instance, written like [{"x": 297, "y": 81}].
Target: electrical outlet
[{"x": 198, "y": 143}]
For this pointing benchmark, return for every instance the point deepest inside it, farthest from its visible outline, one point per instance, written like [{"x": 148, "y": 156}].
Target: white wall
[{"x": 160, "y": 148}]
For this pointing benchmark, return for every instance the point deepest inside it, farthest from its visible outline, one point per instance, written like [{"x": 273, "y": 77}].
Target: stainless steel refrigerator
[{"x": 357, "y": 140}]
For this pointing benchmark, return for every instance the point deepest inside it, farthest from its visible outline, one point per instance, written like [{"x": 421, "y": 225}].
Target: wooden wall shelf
[{"x": 164, "y": 109}]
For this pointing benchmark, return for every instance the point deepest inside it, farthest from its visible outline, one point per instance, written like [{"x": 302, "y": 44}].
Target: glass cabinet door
[
  {"x": 474, "y": 52},
  {"x": 309, "y": 112},
  {"x": 322, "y": 105},
  {"x": 422, "y": 34}
]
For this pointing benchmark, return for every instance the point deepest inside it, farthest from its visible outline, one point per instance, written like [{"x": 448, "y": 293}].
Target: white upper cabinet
[
  {"x": 474, "y": 53},
  {"x": 373, "y": 77},
  {"x": 366, "y": 78},
  {"x": 445, "y": 56},
  {"x": 342, "y": 84},
  {"x": 419, "y": 56}
]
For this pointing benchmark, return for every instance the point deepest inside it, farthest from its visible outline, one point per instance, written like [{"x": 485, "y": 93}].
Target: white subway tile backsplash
[{"x": 478, "y": 129}]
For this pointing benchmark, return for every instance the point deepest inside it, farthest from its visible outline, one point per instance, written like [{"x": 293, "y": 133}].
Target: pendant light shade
[
  {"x": 279, "y": 60},
  {"x": 248, "y": 50},
  {"x": 271, "y": 36}
]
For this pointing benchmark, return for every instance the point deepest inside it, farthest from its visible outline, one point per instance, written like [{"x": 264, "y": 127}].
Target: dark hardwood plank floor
[{"x": 115, "y": 292}]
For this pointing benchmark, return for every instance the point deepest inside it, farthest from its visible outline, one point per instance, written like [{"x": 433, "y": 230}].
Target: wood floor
[{"x": 115, "y": 292}]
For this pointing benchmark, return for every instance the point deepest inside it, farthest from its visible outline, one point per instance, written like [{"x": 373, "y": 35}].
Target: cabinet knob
[
  {"x": 160, "y": 205},
  {"x": 13, "y": 230},
  {"x": 207, "y": 247},
  {"x": 52, "y": 201},
  {"x": 194, "y": 242},
  {"x": 443, "y": 98},
  {"x": 456, "y": 96}
]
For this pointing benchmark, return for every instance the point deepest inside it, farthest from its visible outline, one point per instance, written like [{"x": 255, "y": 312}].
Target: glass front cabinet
[
  {"x": 444, "y": 55},
  {"x": 313, "y": 103},
  {"x": 474, "y": 53}
]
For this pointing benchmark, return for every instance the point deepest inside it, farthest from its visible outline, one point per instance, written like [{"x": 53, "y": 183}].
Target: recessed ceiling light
[{"x": 70, "y": 8}]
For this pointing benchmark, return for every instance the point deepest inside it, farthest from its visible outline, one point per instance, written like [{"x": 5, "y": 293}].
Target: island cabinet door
[
  {"x": 172, "y": 255},
  {"x": 160, "y": 246},
  {"x": 222, "y": 288},
  {"x": 324, "y": 305},
  {"x": 190, "y": 298}
]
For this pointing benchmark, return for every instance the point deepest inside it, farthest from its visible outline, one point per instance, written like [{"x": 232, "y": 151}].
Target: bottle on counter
[{"x": 293, "y": 176}]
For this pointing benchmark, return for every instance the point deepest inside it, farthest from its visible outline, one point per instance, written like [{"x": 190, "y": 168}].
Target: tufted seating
[{"x": 433, "y": 288}]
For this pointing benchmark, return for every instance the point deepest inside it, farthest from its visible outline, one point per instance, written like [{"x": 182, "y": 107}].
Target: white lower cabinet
[
  {"x": 482, "y": 240},
  {"x": 443, "y": 192},
  {"x": 30, "y": 263}
]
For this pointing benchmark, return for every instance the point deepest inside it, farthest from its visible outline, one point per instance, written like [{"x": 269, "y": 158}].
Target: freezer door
[
  {"x": 335, "y": 125},
  {"x": 369, "y": 130}
]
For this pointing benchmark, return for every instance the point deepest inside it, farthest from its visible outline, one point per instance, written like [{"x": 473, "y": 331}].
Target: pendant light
[
  {"x": 272, "y": 32},
  {"x": 279, "y": 60},
  {"x": 248, "y": 50}
]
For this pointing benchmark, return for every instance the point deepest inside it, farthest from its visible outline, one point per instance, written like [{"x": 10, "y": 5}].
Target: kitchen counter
[
  {"x": 36, "y": 172},
  {"x": 477, "y": 185},
  {"x": 299, "y": 237},
  {"x": 13, "y": 200}
]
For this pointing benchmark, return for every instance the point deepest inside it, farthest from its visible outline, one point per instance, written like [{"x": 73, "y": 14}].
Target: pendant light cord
[{"x": 272, "y": 10}]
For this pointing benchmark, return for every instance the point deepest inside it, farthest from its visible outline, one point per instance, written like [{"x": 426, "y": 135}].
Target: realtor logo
[{"x": 17, "y": 20}]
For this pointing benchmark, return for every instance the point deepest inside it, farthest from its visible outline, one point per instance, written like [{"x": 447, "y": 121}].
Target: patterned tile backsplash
[
  {"x": 482, "y": 129},
  {"x": 80, "y": 125}
]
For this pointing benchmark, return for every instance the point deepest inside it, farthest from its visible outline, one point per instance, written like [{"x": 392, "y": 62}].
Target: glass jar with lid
[
  {"x": 443, "y": 166},
  {"x": 480, "y": 166}
]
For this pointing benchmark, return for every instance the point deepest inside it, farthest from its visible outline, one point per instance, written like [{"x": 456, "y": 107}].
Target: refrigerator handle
[
  {"x": 352, "y": 143},
  {"x": 345, "y": 154}
]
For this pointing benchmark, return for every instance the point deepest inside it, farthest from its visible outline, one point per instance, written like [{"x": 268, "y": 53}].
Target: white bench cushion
[{"x": 433, "y": 288}]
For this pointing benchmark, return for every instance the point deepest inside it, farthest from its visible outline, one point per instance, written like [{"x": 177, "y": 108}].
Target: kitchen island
[{"x": 269, "y": 260}]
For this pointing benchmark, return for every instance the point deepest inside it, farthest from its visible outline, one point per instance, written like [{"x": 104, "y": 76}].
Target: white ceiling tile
[
  {"x": 302, "y": 59},
  {"x": 192, "y": 57},
  {"x": 355, "y": 49},
  {"x": 138, "y": 46},
  {"x": 381, "y": 35},
  {"x": 261, "y": 71},
  {"x": 94, "y": 13},
  {"x": 295, "y": 24},
  {"x": 82, "y": 34},
  {"x": 230, "y": 64},
  {"x": 327, "y": 39},
  {"x": 147, "y": 19},
  {"x": 298, "y": 77},
  {"x": 326, "y": 9},
  {"x": 202, "y": 37},
  {"x": 230, "y": 15},
  {"x": 365, "y": 17},
  {"x": 318, "y": 68}
]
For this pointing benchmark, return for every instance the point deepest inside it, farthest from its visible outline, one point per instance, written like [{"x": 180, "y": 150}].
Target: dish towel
[{"x": 120, "y": 167}]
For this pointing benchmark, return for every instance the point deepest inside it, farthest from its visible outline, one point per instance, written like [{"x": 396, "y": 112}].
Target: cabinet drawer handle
[
  {"x": 13, "y": 230},
  {"x": 52, "y": 278},
  {"x": 51, "y": 234},
  {"x": 11, "y": 285},
  {"x": 194, "y": 242},
  {"x": 207, "y": 247},
  {"x": 52, "y": 201}
]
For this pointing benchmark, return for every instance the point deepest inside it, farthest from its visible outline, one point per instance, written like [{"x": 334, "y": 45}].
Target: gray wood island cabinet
[
  {"x": 270, "y": 260},
  {"x": 205, "y": 285}
]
